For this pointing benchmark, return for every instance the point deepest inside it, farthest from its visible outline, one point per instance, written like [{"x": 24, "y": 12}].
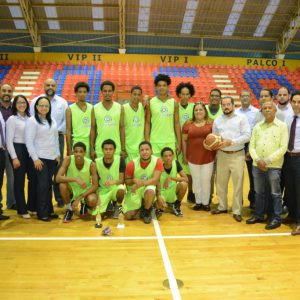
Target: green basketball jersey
[
  {"x": 210, "y": 115},
  {"x": 162, "y": 121},
  {"x": 165, "y": 175},
  {"x": 113, "y": 173},
  {"x": 81, "y": 124},
  {"x": 144, "y": 174},
  {"x": 134, "y": 122},
  {"x": 185, "y": 113},
  {"x": 84, "y": 174},
  {"x": 108, "y": 126}
]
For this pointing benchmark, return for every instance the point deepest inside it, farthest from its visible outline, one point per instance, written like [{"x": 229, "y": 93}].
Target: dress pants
[
  {"x": 44, "y": 188},
  {"x": 61, "y": 139},
  {"x": 27, "y": 167}
]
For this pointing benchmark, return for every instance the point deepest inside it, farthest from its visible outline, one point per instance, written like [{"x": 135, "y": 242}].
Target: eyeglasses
[{"x": 43, "y": 106}]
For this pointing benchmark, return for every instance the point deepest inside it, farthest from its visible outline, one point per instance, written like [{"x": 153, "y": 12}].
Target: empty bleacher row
[{"x": 28, "y": 78}]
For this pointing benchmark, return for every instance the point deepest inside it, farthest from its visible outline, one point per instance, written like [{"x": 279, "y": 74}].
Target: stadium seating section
[{"x": 27, "y": 78}]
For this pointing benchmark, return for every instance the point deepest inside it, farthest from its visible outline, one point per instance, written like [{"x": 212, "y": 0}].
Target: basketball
[{"x": 212, "y": 141}]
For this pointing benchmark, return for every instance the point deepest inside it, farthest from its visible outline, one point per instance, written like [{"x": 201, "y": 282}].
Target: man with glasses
[
  {"x": 58, "y": 113},
  {"x": 250, "y": 112},
  {"x": 214, "y": 108}
]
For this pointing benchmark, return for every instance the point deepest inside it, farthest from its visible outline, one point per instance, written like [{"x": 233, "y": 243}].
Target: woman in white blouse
[
  {"x": 41, "y": 137},
  {"x": 21, "y": 162}
]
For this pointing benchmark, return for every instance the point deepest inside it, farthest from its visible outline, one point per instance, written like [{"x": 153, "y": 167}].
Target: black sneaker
[
  {"x": 118, "y": 209},
  {"x": 147, "y": 216},
  {"x": 206, "y": 207},
  {"x": 68, "y": 216},
  {"x": 191, "y": 197},
  {"x": 83, "y": 210},
  {"x": 158, "y": 213},
  {"x": 177, "y": 211}
]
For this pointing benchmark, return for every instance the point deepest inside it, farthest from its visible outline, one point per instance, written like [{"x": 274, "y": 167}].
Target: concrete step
[
  {"x": 26, "y": 82},
  {"x": 24, "y": 88},
  {"x": 29, "y": 77}
]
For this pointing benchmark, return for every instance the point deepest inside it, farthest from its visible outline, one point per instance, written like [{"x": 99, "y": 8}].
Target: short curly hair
[
  {"x": 162, "y": 77},
  {"x": 187, "y": 85}
]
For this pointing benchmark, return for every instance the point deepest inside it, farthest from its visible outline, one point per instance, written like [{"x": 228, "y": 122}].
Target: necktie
[
  {"x": 292, "y": 134},
  {"x": 2, "y": 135}
]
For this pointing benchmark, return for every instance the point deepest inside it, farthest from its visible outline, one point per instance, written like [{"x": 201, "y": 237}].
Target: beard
[
  {"x": 6, "y": 98},
  {"x": 50, "y": 92},
  {"x": 227, "y": 112},
  {"x": 283, "y": 102}
]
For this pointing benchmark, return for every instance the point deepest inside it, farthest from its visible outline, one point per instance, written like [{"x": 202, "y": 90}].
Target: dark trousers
[
  {"x": 251, "y": 194},
  {"x": 2, "y": 168},
  {"x": 56, "y": 191},
  {"x": 292, "y": 186},
  {"x": 44, "y": 188},
  {"x": 27, "y": 167}
]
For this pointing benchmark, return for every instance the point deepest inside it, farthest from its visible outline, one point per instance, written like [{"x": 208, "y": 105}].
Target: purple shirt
[{"x": 6, "y": 112}]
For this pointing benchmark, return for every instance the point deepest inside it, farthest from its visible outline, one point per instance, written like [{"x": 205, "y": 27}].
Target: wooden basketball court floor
[{"x": 212, "y": 257}]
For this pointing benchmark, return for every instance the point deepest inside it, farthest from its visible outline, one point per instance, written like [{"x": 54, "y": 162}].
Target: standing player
[
  {"x": 172, "y": 186},
  {"x": 142, "y": 177},
  {"x": 162, "y": 118},
  {"x": 79, "y": 118},
  {"x": 134, "y": 121},
  {"x": 111, "y": 170},
  {"x": 214, "y": 108},
  {"x": 107, "y": 122},
  {"x": 184, "y": 91},
  {"x": 77, "y": 178}
]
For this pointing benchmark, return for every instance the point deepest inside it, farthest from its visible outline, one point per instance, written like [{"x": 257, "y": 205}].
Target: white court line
[
  {"x": 164, "y": 253},
  {"x": 128, "y": 238}
]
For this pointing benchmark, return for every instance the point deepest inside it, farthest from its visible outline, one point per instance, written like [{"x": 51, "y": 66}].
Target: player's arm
[
  {"x": 60, "y": 176},
  {"x": 154, "y": 180},
  {"x": 177, "y": 127},
  {"x": 122, "y": 132},
  {"x": 181, "y": 178},
  {"x": 129, "y": 174},
  {"x": 93, "y": 135},
  {"x": 147, "y": 122},
  {"x": 69, "y": 130}
]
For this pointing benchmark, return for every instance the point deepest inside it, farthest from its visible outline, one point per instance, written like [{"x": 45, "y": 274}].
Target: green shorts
[
  {"x": 134, "y": 201},
  {"x": 108, "y": 194},
  {"x": 169, "y": 195},
  {"x": 156, "y": 148}
]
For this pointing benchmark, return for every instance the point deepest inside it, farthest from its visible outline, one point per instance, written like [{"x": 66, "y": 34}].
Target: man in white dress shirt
[
  {"x": 58, "y": 113},
  {"x": 235, "y": 132}
]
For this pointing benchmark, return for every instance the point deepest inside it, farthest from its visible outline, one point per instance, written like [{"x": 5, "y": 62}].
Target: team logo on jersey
[
  {"x": 86, "y": 120},
  {"x": 136, "y": 119},
  {"x": 107, "y": 119},
  {"x": 109, "y": 177},
  {"x": 144, "y": 177},
  {"x": 164, "y": 109},
  {"x": 185, "y": 117}
]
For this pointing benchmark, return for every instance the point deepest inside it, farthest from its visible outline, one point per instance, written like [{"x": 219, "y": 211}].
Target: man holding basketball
[{"x": 235, "y": 132}]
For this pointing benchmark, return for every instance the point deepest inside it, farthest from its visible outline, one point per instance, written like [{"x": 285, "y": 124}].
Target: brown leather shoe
[
  {"x": 217, "y": 212},
  {"x": 238, "y": 218},
  {"x": 296, "y": 231}
]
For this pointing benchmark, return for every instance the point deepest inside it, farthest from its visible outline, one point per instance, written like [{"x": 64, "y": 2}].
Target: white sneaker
[
  {"x": 25, "y": 216},
  {"x": 32, "y": 213}
]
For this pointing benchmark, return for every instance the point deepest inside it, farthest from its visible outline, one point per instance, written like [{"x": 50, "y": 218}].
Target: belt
[
  {"x": 293, "y": 154},
  {"x": 60, "y": 133},
  {"x": 231, "y": 152}
]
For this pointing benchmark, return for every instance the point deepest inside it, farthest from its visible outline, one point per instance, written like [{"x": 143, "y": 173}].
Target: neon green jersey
[
  {"x": 84, "y": 174},
  {"x": 185, "y": 113},
  {"x": 162, "y": 121},
  {"x": 134, "y": 122},
  {"x": 108, "y": 126},
  {"x": 210, "y": 115},
  {"x": 81, "y": 124}
]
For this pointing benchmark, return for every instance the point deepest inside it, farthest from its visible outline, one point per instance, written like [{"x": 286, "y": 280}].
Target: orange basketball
[{"x": 212, "y": 141}]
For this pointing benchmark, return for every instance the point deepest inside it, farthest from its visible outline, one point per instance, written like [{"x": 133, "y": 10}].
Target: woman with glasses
[
  {"x": 21, "y": 162},
  {"x": 199, "y": 159},
  {"x": 41, "y": 136}
]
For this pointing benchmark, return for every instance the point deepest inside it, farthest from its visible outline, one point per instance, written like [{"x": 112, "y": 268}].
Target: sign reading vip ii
[{"x": 83, "y": 57}]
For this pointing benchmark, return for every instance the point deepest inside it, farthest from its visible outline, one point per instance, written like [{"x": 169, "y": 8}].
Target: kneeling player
[
  {"x": 111, "y": 169},
  {"x": 173, "y": 187},
  {"x": 142, "y": 176},
  {"x": 78, "y": 182}
]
